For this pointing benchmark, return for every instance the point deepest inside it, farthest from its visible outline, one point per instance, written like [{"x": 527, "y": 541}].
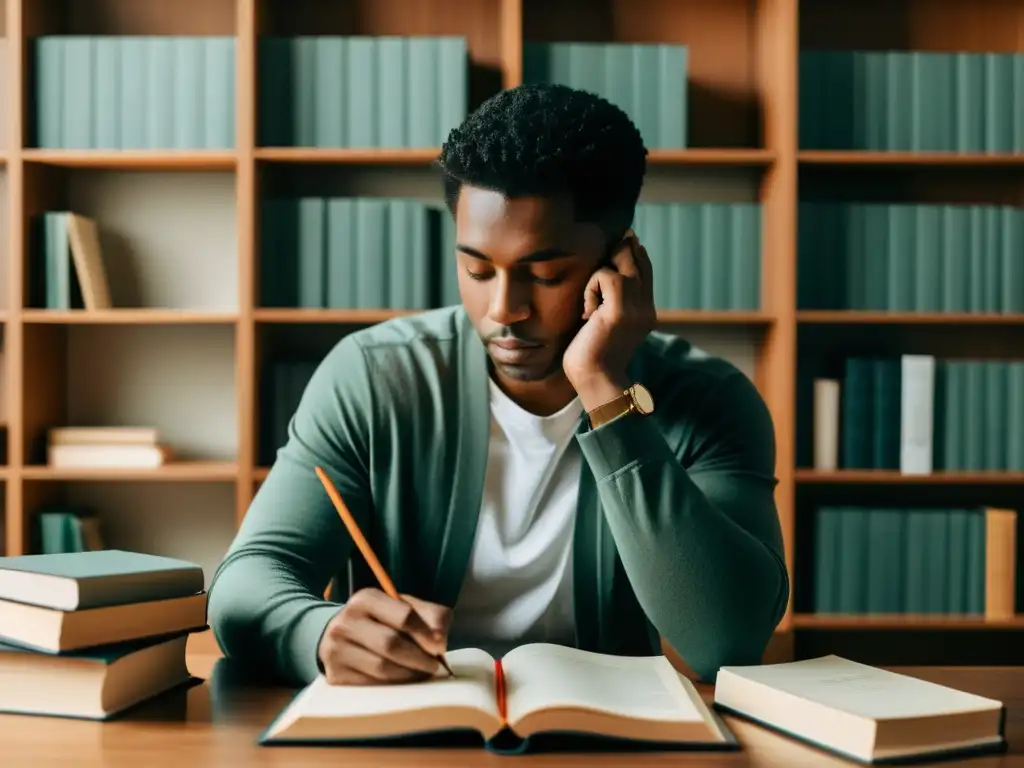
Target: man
[{"x": 536, "y": 464}]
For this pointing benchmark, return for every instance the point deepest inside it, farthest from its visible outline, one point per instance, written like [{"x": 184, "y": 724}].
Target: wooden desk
[{"x": 215, "y": 724}]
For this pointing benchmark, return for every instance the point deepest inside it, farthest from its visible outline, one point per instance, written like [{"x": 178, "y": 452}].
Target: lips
[
  {"x": 512, "y": 351},
  {"x": 512, "y": 344}
]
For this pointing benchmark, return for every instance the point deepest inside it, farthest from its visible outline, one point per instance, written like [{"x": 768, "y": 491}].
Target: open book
[
  {"x": 536, "y": 690},
  {"x": 862, "y": 712}
]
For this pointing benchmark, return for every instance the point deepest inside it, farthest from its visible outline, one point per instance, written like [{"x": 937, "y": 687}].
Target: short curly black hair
[{"x": 550, "y": 140}]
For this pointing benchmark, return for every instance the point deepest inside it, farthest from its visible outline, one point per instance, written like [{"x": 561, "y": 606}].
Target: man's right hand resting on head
[{"x": 376, "y": 639}]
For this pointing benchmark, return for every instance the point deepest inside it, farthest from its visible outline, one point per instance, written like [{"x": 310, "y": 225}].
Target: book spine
[
  {"x": 159, "y": 84},
  {"x": 311, "y": 252},
  {"x": 341, "y": 263},
  {"x": 393, "y": 96},
  {"x": 422, "y": 109},
  {"x": 106, "y": 123},
  {"x": 329, "y": 110},
  {"x": 188, "y": 75}
]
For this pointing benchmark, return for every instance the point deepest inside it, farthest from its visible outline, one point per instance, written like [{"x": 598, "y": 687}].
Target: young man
[{"x": 536, "y": 464}]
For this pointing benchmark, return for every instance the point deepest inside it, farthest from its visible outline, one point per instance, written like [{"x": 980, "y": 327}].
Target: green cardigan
[{"x": 676, "y": 535}]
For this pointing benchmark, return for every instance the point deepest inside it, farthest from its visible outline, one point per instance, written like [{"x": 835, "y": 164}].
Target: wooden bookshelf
[{"x": 196, "y": 311}]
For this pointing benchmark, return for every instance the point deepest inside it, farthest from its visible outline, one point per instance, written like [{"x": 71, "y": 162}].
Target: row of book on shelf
[
  {"x": 363, "y": 91},
  {"x": 916, "y": 560},
  {"x": 912, "y": 101},
  {"x": 917, "y": 414},
  {"x": 118, "y": 623},
  {"x": 373, "y": 252},
  {"x": 134, "y": 92},
  {"x": 911, "y": 257}
]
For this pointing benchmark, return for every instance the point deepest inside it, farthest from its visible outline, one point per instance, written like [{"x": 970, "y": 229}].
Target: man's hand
[
  {"x": 375, "y": 639},
  {"x": 619, "y": 310}
]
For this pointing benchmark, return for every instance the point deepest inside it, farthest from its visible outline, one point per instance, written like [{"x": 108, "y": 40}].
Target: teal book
[
  {"x": 49, "y": 92},
  {"x": 109, "y": 680},
  {"x": 76, "y": 581},
  {"x": 537, "y": 698}
]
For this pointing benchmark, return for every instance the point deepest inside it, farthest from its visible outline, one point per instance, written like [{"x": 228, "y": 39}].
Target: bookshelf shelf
[
  {"x": 854, "y": 317},
  {"x": 346, "y": 156},
  {"x": 753, "y": 158},
  {"x": 182, "y": 471},
  {"x": 882, "y": 477},
  {"x": 913, "y": 159},
  {"x": 127, "y": 316},
  {"x": 190, "y": 347},
  {"x": 904, "y": 622},
  {"x": 135, "y": 160}
]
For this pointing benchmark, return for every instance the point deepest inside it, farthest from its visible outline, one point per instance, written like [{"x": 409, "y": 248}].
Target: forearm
[
  {"x": 713, "y": 589},
  {"x": 266, "y": 605}
]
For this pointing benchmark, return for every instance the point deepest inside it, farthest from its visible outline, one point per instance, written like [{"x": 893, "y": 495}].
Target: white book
[
  {"x": 917, "y": 397},
  {"x": 860, "y": 711},
  {"x": 826, "y": 425}
]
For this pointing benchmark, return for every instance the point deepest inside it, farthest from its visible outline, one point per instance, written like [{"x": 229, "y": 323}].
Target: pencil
[{"x": 364, "y": 547}]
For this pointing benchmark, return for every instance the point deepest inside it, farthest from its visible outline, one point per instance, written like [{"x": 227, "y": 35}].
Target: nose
[{"x": 510, "y": 302}]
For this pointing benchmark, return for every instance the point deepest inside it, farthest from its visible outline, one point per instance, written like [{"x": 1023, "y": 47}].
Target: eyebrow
[{"x": 545, "y": 254}]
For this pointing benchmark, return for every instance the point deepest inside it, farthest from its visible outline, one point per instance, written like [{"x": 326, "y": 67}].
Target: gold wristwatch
[{"x": 636, "y": 399}]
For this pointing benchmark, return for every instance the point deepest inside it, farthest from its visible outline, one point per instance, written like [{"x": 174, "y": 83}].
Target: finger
[
  {"x": 402, "y": 617},
  {"x": 378, "y": 669},
  {"x": 394, "y": 646},
  {"x": 338, "y": 674},
  {"x": 646, "y": 268},
  {"x": 623, "y": 260},
  {"x": 436, "y": 616},
  {"x": 604, "y": 290}
]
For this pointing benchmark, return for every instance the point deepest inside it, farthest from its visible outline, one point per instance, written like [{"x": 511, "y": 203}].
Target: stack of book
[
  {"x": 106, "y": 448},
  {"x": 91, "y": 634}
]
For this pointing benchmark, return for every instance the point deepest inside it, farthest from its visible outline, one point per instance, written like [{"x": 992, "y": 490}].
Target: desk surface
[{"x": 216, "y": 724}]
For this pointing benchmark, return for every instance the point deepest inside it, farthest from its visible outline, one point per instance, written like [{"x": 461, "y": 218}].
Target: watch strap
[{"x": 610, "y": 410}]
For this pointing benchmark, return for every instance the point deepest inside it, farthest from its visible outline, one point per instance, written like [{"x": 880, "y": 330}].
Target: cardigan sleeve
[
  {"x": 266, "y": 602},
  {"x": 701, "y": 543}
]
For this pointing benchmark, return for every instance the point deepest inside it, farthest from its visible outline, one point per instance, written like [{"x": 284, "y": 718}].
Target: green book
[{"x": 75, "y": 581}]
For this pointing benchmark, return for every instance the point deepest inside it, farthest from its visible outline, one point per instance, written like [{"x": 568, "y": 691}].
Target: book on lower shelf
[
  {"x": 106, "y": 448},
  {"x": 536, "y": 696},
  {"x": 91, "y": 634},
  {"x": 861, "y": 712}
]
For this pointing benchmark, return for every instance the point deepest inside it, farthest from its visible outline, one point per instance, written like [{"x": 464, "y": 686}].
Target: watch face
[{"x": 642, "y": 398}]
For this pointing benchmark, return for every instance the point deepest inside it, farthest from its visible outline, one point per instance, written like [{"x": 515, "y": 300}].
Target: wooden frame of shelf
[{"x": 756, "y": 71}]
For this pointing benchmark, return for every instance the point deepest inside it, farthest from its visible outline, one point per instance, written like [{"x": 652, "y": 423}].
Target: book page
[
  {"x": 472, "y": 687},
  {"x": 541, "y": 676},
  {"x": 860, "y": 689}
]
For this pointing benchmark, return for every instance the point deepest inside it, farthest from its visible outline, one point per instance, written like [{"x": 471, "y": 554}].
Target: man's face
[{"x": 523, "y": 264}]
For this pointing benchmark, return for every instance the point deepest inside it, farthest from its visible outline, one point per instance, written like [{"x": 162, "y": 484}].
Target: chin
[{"x": 526, "y": 371}]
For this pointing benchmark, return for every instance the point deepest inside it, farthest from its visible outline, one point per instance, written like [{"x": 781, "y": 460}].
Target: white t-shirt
[{"x": 518, "y": 588}]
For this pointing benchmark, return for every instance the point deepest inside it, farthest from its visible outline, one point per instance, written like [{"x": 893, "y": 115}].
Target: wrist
[{"x": 597, "y": 388}]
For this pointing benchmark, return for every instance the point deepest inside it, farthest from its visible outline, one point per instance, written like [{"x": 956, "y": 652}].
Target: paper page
[
  {"x": 542, "y": 676},
  {"x": 861, "y": 689},
  {"x": 473, "y": 686}
]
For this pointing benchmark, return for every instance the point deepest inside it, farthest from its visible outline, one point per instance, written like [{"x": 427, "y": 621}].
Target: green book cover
[
  {"x": 329, "y": 107},
  {"x": 393, "y": 97},
  {"x": 188, "y": 76},
  {"x": 98, "y": 578},
  {"x": 107, "y": 110},
  {"x": 159, "y": 83}
]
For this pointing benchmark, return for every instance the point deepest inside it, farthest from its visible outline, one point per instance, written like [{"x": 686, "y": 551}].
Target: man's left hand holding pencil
[{"x": 379, "y": 636}]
